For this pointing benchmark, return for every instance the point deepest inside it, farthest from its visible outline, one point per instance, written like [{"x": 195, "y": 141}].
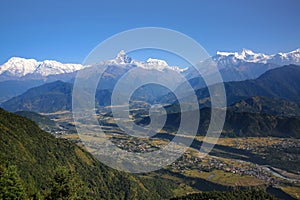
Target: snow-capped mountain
[
  {"x": 51, "y": 67},
  {"x": 161, "y": 65},
  {"x": 20, "y": 67},
  {"x": 233, "y": 65},
  {"x": 227, "y": 59},
  {"x": 244, "y": 65},
  {"x": 19, "y": 74},
  {"x": 151, "y": 64},
  {"x": 292, "y": 57}
]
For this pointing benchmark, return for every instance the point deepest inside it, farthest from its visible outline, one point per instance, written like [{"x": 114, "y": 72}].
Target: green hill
[
  {"x": 238, "y": 124},
  {"x": 272, "y": 106},
  {"x": 13, "y": 88},
  {"x": 49, "y": 97},
  {"x": 37, "y": 155}
]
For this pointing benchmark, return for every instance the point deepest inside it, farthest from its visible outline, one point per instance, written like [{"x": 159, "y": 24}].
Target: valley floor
[{"x": 263, "y": 162}]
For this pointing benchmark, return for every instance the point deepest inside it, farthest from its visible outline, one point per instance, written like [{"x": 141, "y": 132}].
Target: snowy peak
[
  {"x": 244, "y": 52},
  {"x": 297, "y": 51},
  {"x": 292, "y": 57},
  {"x": 122, "y": 59},
  {"x": 246, "y": 55},
  {"x": 223, "y": 53},
  {"x": 156, "y": 62},
  {"x": 20, "y": 67},
  {"x": 247, "y": 52},
  {"x": 161, "y": 65},
  {"x": 17, "y": 67},
  {"x": 51, "y": 67}
]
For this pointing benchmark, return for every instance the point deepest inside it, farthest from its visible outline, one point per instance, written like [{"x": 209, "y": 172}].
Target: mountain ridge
[
  {"x": 247, "y": 55},
  {"x": 282, "y": 83},
  {"x": 272, "y": 84},
  {"x": 20, "y": 67},
  {"x": 16, "y": 67}
]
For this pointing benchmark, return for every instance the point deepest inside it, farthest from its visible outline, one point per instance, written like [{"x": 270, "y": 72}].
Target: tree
[
  {"x": 66, "y": 185},
  {"x": 11, "y": 186}
]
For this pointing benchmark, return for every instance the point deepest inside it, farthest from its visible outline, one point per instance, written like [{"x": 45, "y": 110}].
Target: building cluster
[{"x": 208, "y": 164}]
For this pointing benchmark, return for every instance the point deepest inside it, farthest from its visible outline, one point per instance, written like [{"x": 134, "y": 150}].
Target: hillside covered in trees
[{"x": 36, "y": 164}]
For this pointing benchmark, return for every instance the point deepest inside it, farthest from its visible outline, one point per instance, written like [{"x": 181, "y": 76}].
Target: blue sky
[{"x": 68, "y": 30}]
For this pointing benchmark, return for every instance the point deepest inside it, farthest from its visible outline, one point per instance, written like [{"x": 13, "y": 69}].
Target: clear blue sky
[{"x": 68, "y": 30}]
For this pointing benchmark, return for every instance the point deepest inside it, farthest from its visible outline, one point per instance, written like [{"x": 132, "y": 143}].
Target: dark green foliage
[
  {"x": 66, "y": 184},
  {"x": 163, "y": 187},
  {"x": 267, "y": 105},
  {"x": 38, "y": 154},
  {"x": 232, "y": 195},
  {"x": 242, "y": 124},
  {"x": 11, "y": 186},
  {"x": 258, "y": 124}
]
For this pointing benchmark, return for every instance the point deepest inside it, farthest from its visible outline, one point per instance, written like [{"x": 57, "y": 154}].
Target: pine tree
[
  {"x": 11, "y": 186},
  {"x": 66, "y": 185}
]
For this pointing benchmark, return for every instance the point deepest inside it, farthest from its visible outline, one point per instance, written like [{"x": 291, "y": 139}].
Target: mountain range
[
  {"x": 18, "y": 75},
  {"x": 275, "y": 92},
  {"x": 266, "y": 106},
  {"x": 280, "y": 83},
  {"x": 236, "y": 58},
  {"x": 18, "y": 68},
  {"x": 236, "y": 66},
  {"x": 56, "y": 96}
]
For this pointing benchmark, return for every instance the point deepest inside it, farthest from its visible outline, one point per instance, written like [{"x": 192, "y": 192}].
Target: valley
[{"x": 245, "y": 162}]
